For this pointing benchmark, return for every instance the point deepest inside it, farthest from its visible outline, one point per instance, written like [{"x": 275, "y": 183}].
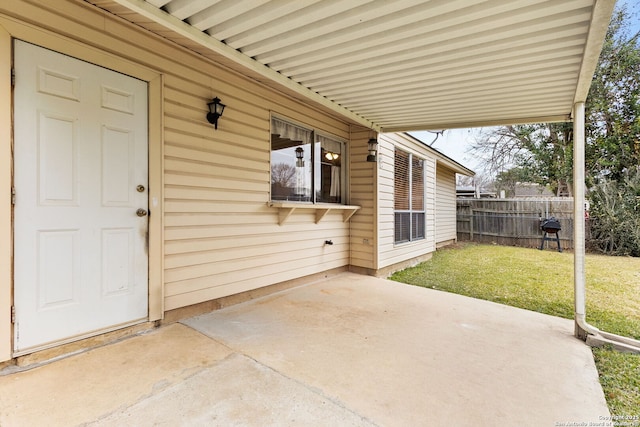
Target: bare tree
[
  {"x": 540, "y": 153},
  {"x": 498, "y": 148},
  {"x": 283, "y": 174}
]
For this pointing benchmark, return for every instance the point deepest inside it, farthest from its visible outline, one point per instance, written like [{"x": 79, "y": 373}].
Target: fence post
[{"x": 471, "y": 226}]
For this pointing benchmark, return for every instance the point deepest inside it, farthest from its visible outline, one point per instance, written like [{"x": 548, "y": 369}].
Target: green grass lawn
[{"x": 543, "y": 281}]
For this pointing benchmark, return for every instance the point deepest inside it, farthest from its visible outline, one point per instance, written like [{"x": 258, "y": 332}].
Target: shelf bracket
[
  {"x": 347, "y": 214},
  {"x": 286, "y": 209},
  {"x": 284, "y": 214},
  {"x": 321, "y": 213}
]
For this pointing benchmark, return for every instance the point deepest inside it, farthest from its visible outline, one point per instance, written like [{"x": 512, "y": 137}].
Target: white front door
[{"x": 80, "y": 176}]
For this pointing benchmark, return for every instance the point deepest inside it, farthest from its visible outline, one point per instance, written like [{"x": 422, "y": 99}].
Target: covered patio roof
[{"x": 399, "y": 65}]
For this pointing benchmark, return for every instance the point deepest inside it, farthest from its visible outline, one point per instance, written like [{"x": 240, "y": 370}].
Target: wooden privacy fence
[{"x": 514, "y": 222}]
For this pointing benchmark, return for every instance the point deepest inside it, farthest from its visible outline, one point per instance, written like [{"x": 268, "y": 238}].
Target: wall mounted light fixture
[
  {"x": 216, "y": 108},
  {"x": 373, "y": 150},
  {"x": 331, "y": 156}
]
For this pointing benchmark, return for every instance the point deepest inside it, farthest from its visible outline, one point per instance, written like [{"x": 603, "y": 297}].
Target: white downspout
[{"x": 584, "y": 330}]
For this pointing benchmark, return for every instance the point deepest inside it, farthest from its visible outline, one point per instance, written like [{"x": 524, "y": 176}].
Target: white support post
[
  {"x": 583, "y": 330},
  {"x": 578, "y": 219}
]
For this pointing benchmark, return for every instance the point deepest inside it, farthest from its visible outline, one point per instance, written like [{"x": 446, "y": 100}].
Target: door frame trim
[
  {"x": 6, "y": 223},
  {"x": 10, "y": 29}
]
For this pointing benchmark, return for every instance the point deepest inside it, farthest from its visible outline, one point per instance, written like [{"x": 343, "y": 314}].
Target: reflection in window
[
  {"x": 328, "y": 175},
  {"x": 305, "y": 166},
  {"x": 290, "y": 162}
]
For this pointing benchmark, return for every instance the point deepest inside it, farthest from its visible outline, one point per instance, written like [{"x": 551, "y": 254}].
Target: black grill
[{"x": 550, "y": 226}]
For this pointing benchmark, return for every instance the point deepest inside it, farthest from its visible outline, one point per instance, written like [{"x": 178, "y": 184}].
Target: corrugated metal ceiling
[{"x": 401, "y": 64}]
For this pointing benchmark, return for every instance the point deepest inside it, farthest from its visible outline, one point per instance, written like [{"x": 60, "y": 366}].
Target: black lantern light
[
  {"x": 299, "y": 157},
  {"x": 216, "y": 108},
  {"x": 373, "y": 150}
]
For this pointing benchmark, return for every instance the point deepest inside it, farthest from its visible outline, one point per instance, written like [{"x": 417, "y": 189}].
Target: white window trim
[
  {"x": 343, "y": 167},
  {"x": 411, "y": 211}
]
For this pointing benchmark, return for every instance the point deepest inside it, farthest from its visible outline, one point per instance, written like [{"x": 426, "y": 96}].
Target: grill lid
[{"x": 550, "y": 224}]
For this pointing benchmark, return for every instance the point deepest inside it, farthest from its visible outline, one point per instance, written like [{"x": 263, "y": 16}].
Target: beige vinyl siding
[
  {"x": 445, "y": 204},
  {"x": 220, "y": 237},
  {"x": 362, "y": 190},
  {"x": 389, "y": 252}
]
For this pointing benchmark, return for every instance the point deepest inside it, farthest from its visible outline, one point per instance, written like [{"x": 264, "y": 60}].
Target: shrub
[{"x": 615, "y": 212}]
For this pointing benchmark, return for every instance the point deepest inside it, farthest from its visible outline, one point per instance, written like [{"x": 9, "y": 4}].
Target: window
[
  {"x": 305, "y": 166},
  {"x": 409, "y": 213}
]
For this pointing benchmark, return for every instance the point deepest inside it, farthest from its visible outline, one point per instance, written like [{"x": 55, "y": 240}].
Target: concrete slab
[
  {"x": 236, "y": 392},
  {"x": 85, "y": 387},
  {"x": 350, "y": 351},
  {"x": 407, "y": 356}
]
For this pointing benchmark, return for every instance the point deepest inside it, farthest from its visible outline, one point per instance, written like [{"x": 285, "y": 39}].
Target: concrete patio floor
[{"x": 351, "y": 350}]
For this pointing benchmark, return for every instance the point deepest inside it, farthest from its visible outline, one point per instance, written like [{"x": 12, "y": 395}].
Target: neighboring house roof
[
  {"x": 467, "y": 191},
  {"x": 443, "y": 159},
  {"x": 401, "y": 65},
  {"x": 530, "y": 189}
]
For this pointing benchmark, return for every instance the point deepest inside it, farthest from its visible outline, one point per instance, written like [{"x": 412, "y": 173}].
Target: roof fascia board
[
  {"x": 443, "y": 158},
  {"x": 455, "y": 166},
  {"x": 185, "y": 30},
  {"x": 602, "y": 12}
]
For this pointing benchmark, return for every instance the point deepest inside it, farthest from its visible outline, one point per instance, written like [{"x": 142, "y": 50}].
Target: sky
[{"x": 455, "y": 143}]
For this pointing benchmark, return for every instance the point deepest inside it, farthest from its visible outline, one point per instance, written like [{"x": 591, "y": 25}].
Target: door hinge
[
  {"x": 13, "y": 314},
  {"x": 13, "y": 77},
  {"x": 13, "y": 196}
]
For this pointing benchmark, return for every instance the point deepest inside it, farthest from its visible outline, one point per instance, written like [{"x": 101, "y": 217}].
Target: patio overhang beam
[
  {"x": 485, "y": 123},
  {"x": 600, "y": 19}
]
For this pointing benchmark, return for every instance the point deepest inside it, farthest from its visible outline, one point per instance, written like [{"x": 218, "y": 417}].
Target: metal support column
[{"x": 578, "y": 215}]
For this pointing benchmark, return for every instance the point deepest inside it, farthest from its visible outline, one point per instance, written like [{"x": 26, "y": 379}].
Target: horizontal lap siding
[
  {"x": 389, "y": 252},
  {"x": 362, "y": 185},
  {"x": 220, "y": 237},
  {"x": 445, "y": 204}
]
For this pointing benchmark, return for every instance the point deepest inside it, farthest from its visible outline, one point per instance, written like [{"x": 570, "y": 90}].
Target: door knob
[{"x": 141, "y": 212}]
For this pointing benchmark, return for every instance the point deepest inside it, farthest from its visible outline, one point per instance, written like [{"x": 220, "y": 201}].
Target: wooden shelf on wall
[{"x": 322, "y": 209}]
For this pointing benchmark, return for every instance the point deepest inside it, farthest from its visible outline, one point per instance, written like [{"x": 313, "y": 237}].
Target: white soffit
[{"x": 399, "y": 65}]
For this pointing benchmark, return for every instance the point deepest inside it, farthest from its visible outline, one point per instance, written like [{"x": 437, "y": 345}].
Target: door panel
[
  {"x": 57, "y": 157},
  {"x": 58, "y": 272},
  {"x": 80, "y": 261},
  {"x": 117, "y": 168},
  {"x": 117, "y": 263}
]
